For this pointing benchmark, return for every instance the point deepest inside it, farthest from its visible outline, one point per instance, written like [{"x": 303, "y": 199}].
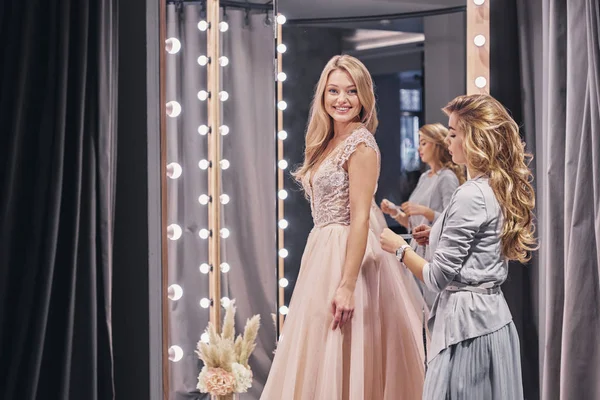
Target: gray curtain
[
  {"x": 250, "y": 183},
  {"x": 560, "y": 50}
]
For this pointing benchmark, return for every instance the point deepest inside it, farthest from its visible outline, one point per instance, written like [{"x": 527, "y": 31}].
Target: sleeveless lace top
[{"x": 328, "y": 187}]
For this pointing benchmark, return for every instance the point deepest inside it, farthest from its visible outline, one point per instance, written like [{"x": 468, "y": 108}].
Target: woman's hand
[
  {"x": 391, "y": 242},
  {"x": 388, "y": 207},
  {"x": 342, "y": 307},
  {"x": 421, "y": 234},
  {"x": 411, "y": 208}
]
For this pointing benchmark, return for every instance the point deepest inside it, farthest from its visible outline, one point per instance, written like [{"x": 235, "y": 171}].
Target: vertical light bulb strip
[
  {"x": 280, "y": 177},
  {"x": 165, "y": 306},
  {"x": 222, "y": 130},
  {"x": 478, "y": 46},
  {"x": 214, "y": 154}
]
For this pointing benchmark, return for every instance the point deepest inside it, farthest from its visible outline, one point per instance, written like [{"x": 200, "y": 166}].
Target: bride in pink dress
[{"x": 354, "y": 328}]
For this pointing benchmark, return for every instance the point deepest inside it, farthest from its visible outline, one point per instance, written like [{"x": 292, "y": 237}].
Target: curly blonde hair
[
  {"x": 436, "y": 133},
  {"x": 320, "y": 125},
  {"x": 493, "y": 146}
]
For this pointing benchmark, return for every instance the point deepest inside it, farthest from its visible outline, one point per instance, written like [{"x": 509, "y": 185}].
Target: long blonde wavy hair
[
  {"x": 320, "y": 126},
  {"x": 493, "y": 146},
  {"x": 436, "y": 134}
]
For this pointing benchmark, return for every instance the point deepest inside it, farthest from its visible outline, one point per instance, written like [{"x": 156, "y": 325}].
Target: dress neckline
[{"x": 314, "y": 170}]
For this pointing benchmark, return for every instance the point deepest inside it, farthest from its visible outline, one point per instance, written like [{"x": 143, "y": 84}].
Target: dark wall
[
  {"x": 135, "y": 253},
  {"x": 505, "y": 85}
]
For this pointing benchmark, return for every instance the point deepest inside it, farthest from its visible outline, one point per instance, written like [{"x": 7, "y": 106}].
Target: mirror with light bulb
[
  {"x": 417, "y": 57},
  {"x": 238, "y": 83},
  {"x": 220, "y": 154}
]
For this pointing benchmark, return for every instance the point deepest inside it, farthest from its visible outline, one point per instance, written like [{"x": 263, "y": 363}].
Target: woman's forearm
[
  {"x": 429, "y": 214},
  {"x": 355, "y": 252},
  {"x": 414, "y": 263}
]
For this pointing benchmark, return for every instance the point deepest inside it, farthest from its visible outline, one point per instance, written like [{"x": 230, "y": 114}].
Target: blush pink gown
[{"x": 379, "y": 356}]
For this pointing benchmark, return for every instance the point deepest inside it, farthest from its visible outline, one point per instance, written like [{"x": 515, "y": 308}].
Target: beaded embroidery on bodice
[{"x": 328, "y": 188}]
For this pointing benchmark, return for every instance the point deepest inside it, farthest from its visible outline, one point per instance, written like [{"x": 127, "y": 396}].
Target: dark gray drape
[
  {"x": 560, "y": 59},
  {"x": 57, "y": 171},
  {"x": 569, "y": 184},
  {"x": 251, "y": 250},
  {"x": 506, "y": 83}
]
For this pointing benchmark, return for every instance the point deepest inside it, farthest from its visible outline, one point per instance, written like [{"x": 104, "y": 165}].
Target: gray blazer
[{"x": 467, "y": 268}]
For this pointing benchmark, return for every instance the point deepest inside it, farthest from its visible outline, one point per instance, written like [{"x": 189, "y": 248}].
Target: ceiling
[{"x": 315, "y": 9}]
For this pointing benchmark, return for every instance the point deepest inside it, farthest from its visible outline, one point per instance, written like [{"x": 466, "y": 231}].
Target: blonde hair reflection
[{"x": 436, "y": 134}]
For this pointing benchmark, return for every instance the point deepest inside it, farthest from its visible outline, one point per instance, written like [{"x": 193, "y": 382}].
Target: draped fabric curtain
[
  {"x": 560, "y": 53},
  {"x": 57, "y": 178},
  {"x": 249, "y": 182},
  {"x": 569, "y": 183}
]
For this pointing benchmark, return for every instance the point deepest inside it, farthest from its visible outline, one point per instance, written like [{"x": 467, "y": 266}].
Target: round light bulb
[
  {"x": 174, "y": 231},
  {"x": 172, "y": 45},
  {"x": 478, "y": 2},
  {"x": 224, "y": 199},
  {"x": 224, "y": 164},
  {"x": 204, "y": 268},
  {"x": 175, "y": 353},
  {"x": 480, "y": 82},
  {"x": 203, "y": 60},
  {"x": 174, "y": 170},
  {"x": 205, "y": 303},
  {"x": 204, "y": 199},
  {"x": 283, "y": 223},
  {"x": 282, "y": 105},
  {"x": 223, "y": 95},
  {"x": 282, "y": 194},
  {"x": 205, "y": 337},
  {"x": 225, "y": 302},
  {"x": 281, "y": 77},
  {"x": 283, "y": 310},
  {"x": 204, "y": 233},
  {"x": 281, "y": 19},
  {"x": 203, "y": 164},
  {"x": 224, "y": 61},
  {"x": 174, "y": 292},
  {"x": 224, "y": 130},
  {"x": 281, "y": 48},
  {"x": 203, "y": 130},
  {"x": 223, "y": 26},
  {"x": 225, "y": 233},
  {"x": 283, "y": 282},
  {"x": 283, "y": 253},
  {"x": 203, "y": 25},
  {"x": 225, "y": 268},
  {"x": 282, "y": 164},
  {"x": 173, "y": 109},
  {"x": 479, "y": 40},
  {"x": 203, "y": 95},
  {"x": 282, "y": 135}
]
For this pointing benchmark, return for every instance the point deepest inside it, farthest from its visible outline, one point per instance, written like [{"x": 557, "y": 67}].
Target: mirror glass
[
  {"x": 245, "y": 131},
  {"x": 416, "y": 56}
]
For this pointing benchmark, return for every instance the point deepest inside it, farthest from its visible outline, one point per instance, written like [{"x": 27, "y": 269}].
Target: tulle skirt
[{"x": 379, "y": 355}]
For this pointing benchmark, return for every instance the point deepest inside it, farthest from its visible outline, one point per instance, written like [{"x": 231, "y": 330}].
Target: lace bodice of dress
[{"x": 328, "y": 187}]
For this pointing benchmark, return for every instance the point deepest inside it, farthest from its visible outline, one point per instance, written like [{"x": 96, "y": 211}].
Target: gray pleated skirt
[{"x": 483, "y": 368}]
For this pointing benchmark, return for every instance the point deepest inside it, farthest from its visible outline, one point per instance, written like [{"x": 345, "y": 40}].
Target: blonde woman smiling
[{"x": 352, "y": 331}]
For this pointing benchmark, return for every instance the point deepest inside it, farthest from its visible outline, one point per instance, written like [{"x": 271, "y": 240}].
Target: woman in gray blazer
[{"x": 474, "y": 351}]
